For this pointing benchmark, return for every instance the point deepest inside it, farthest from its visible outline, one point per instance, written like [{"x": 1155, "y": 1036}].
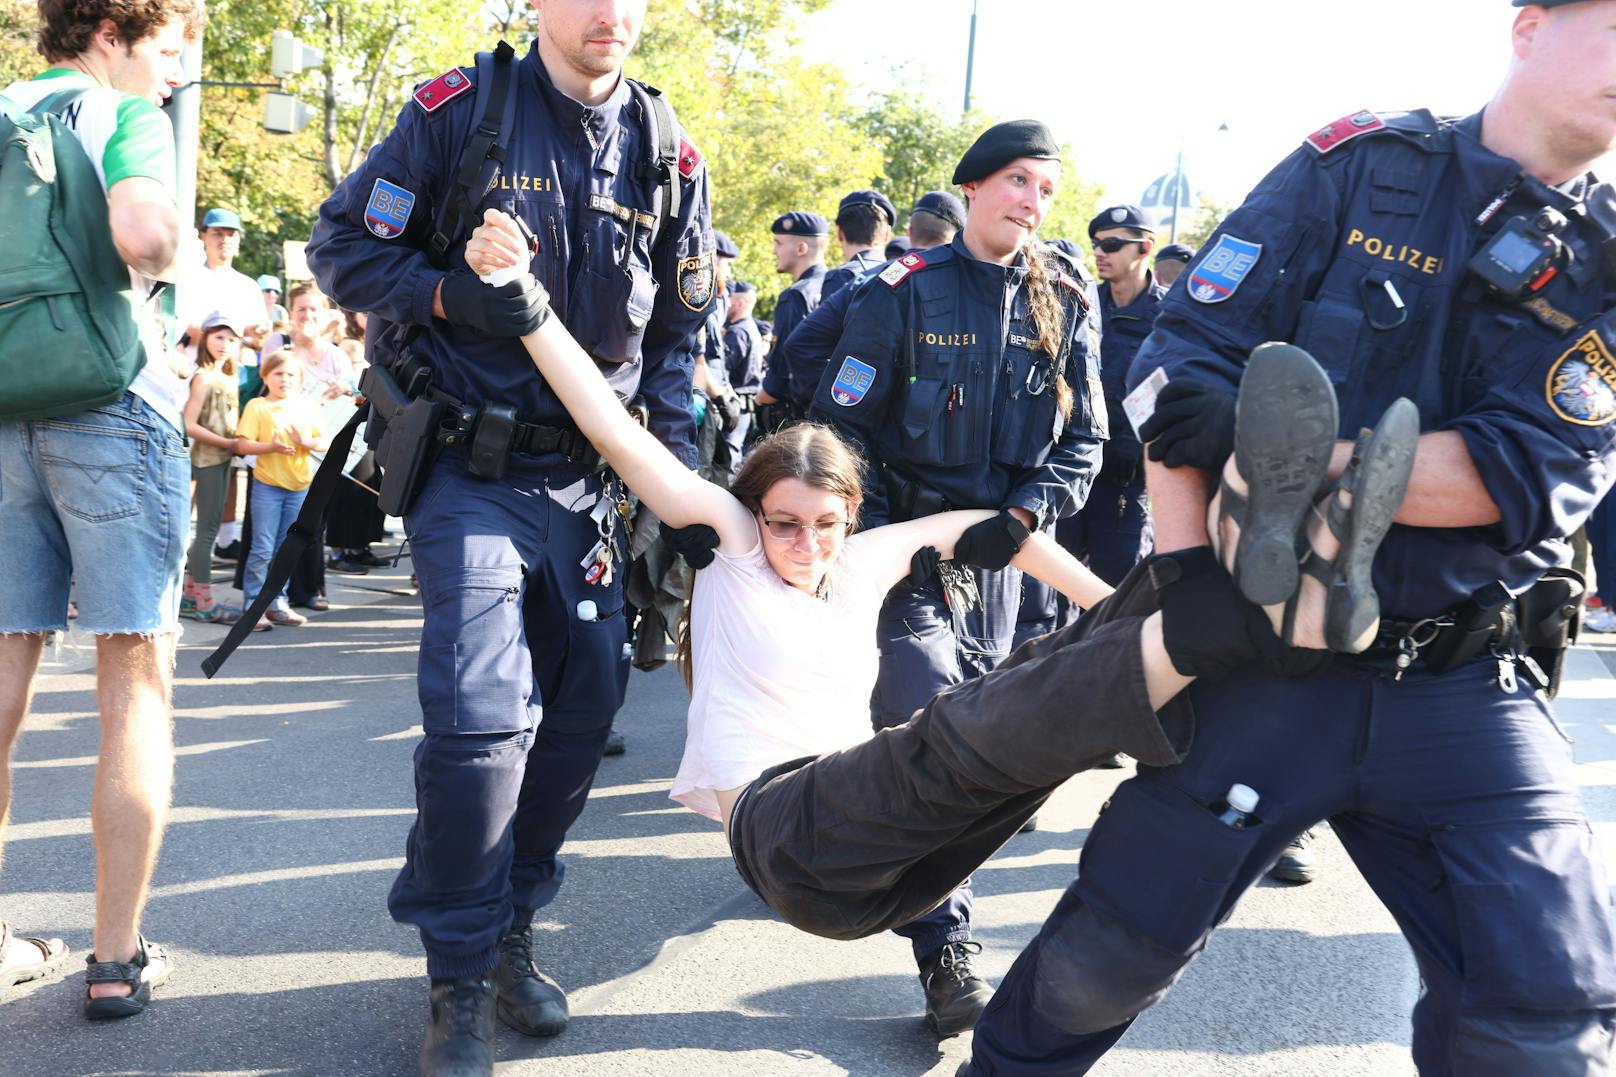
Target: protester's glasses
[
  {"x": 788, "y": 530},
  {"x": 1113, "y": 244}
]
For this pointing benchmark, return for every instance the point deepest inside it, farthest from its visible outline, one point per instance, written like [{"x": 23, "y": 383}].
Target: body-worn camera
[{"x": 1524, "y": 256}]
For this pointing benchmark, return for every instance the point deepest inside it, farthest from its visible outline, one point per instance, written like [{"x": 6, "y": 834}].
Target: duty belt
[{"x": 530, "y": 438}]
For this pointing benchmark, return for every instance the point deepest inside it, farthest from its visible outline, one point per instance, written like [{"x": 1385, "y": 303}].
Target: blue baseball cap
[
  {"x": 222, "y": 218},
  {"x": 723, "y": 246},
  {"x": 944, "y": 205},
  {"x": 267, "y": 283},
  {"x": 800, "y": 223},
  {"x": 1123, "y": 216}
]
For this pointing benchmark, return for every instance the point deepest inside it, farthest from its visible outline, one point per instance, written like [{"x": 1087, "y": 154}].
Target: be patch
[
  {"x": 1581, "y": 386},
  {"x": 1223, "y": 269},
  {"x": 388, "y": 210},
  {"x": 852, "y": 382}
]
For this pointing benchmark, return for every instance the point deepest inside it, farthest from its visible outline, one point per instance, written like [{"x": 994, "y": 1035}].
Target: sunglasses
[
  {"x": 788, "y": 530},
  {"x": 1113, "y": 244}
]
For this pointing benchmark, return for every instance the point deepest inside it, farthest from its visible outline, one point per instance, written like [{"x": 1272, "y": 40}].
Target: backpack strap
[
  {"x": 493, "y": 121},
  {"x": 661, "y": 165}
]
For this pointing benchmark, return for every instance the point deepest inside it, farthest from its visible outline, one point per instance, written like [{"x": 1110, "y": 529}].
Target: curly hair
[{"x": 66, "y": 27}]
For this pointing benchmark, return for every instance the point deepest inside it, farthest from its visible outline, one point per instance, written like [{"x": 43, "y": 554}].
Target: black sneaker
[
  {"x": 955, "y": 995},
  {"x": 231, "y": 552},
  {"x": 615, "y": 744},
  {"x": 368, "y": 559},
  {"x": 460, "y": 1031},
  {"x": 343, "y": 565},
  {"x": 1299, "y": 863},
  {"x": 529, "y": 1001}
]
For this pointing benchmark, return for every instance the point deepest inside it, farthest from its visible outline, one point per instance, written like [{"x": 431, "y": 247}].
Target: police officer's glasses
[
  {"x": 1113, "y": 244},
  {"x": 788, "y": 530}
]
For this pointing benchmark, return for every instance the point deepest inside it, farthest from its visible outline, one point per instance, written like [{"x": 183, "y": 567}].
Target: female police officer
[{"x": 966, "y": 374}]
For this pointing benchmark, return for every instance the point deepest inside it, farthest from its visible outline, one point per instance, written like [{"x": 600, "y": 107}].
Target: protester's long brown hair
[{"x": 808, "y": 452}]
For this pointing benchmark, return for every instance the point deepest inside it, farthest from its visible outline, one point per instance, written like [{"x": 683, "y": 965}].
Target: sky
[{"x": 1127, "y": 83}]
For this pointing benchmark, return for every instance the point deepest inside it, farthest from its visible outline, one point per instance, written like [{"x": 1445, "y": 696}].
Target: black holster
[
  {"x": 1484, "y": 620},
  {"x": 409, "y": 435},
  {"x": 1550, "y": 615},
  {"x": 907, "y": 500}
]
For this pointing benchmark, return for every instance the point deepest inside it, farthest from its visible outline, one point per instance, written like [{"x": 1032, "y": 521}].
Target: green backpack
[{"x": 69, "y": 329}]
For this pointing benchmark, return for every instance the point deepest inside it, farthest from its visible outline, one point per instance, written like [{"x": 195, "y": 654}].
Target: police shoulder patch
[
  {"x": 1344, "y": 130},
  {"x": 1581, "y": 386},
  {"x": 689, "y": 158},
  {"x": 388, "y": 210},
  {"x": 898, "y": 270},
  {"x": 443, "y": 89},
  {"x": 696, "y": 281},
  {"x": 1223, "y": 269},
  {"x": 852, "y": 382}
]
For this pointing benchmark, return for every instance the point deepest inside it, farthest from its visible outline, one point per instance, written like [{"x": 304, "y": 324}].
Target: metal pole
[
  {"x": 970, "y": 57},
  {"x": 185, "y": 113}
]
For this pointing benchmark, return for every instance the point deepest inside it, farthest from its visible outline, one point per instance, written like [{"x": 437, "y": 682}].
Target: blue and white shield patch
[
  {"x": 388, "y": 210},
  {"x": 852, "y": 382},
  {"x": 1223, "y": 269}
]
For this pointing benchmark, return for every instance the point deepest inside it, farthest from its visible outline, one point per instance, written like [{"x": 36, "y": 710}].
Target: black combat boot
[
  {"x": 1299, "y": 863},
  {"x": 955, "y": 996},
  {"x": 529, "y": 1001},
  {"x": 460, "y": 1032}
]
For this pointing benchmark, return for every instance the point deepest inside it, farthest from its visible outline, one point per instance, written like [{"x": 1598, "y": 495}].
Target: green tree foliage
[
  {"x": 1207, "y": 218},
  {"x": 18, "y": 57}
]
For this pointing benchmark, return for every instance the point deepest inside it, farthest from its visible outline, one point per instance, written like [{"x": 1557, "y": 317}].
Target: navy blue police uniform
[
  {"x": 798, "y": 300},
  {"x": 864, "y": 261},
  {"x": 1452, "y": 789},
  {"x": 743, "y": 351},
  {"x": 518, "y": 679},
  {"x": 939, "y": 386}
]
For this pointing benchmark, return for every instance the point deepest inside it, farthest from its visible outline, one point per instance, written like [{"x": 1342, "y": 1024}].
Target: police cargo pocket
[
  {"x": 474, "y": 672},
  {"x": 614, "y": 294},
  {"x": 1173, "y": 885},
  {"x": 920, "y": 422},
  {"x": 1030, "y": 422},
  {"x": 966, "y": 413},
  {"x": 1532, "y": 910},
  {"x": 1329, "y": 331}
]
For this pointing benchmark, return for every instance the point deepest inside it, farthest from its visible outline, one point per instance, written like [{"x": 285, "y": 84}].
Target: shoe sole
[
  {"x": 508, "y": 1018},
  {"x": 1285, "y": 430},
  {"x": 29, "y": 973},
  {"x": 1352, "y": 610},
  {"x": 1298, "y": 877},
  {"x": 114, "y": 1007}
]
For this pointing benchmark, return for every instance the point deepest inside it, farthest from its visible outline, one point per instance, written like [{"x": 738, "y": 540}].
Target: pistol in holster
[
  {"x": 409, "y": 433},
  {"x": 1550, "y": 618}
]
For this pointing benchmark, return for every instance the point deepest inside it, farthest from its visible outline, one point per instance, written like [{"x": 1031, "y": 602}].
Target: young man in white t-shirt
[{"x": 100, "y": 499}]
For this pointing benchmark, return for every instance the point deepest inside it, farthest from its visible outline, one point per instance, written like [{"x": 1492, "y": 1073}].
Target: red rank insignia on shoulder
[
  {"x": 1344, "y": 130},
  {"x": 443, "y": 89},
  {"x": 901, "y": 268},
  {"x": 689, "y": 158}
]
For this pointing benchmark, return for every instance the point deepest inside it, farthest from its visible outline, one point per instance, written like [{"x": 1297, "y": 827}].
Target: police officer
[
  {"x": 970, "y": 379},
  {"x": 1456, "y": 263},
  {"x": 932, "y": 223},
  {"x": 1171, "y": 261},
  {"x": 864, "y": 223},
  {"x": 520, "y": 668},
  {"x": 799, "y": 252},
  {"x": 743, "y": 350}
]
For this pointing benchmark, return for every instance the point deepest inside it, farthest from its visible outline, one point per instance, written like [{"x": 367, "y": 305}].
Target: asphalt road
[{"x": 293, "y": 799}]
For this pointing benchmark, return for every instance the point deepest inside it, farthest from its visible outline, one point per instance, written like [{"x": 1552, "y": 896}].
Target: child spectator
[
  {"x": 282, "y": 428},
  {"x": 210, "y": 421}
]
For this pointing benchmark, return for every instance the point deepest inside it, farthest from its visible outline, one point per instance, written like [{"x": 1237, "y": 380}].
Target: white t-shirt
[
  {"x": 779, "y": 674},
  {"x": 206, "y": 290},
  {"x": 123, "y": 136}
]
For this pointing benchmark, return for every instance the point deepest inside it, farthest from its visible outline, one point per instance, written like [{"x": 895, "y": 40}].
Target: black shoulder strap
[
  {"x": 492, "y": 125},
  {"x": 661, "y": 165}
]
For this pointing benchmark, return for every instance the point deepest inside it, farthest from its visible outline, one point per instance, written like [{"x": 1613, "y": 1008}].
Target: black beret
[
  {"x": 898, "y": 246},
  {"x": 1003, "y": 143},
  {"x": 742, "y": 286},
  {"x": 724, "y": 246},
  {"x": 870, "y": 198},
  {"x": 1123, "y": 216},
  {"x": 944, "y": 205},
  {"x": 1175, "y": 252},
  {"x": 800, "y": 223}
]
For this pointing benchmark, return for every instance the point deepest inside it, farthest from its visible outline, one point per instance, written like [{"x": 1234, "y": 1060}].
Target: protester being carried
[
  {"x": 282, "y": 429},
  {"x": 210, "y": 421},
  {"x": 846, "y": 834}
]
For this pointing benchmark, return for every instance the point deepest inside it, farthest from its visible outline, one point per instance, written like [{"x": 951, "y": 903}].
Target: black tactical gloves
[
  {"x": 1193, "y": 426},
  {"x": 1207, "y": 625},
  {"x": 513, "y": 309},
  {"x": 992, "y": 543},
  {"x": 729, "y": 410},
  {"x": 695, "y": 543},
  {"x": 922, "y": 567}
]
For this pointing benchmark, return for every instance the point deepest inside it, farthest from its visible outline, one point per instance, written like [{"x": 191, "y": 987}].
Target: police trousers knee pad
[{"x": 1094, "y": 973}]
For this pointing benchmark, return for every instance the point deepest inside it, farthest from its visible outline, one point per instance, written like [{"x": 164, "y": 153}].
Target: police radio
[{"x": 1524, "y": 256}]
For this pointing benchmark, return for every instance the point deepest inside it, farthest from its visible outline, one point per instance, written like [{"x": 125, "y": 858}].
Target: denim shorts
[{"x": 99, "y": 500}]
